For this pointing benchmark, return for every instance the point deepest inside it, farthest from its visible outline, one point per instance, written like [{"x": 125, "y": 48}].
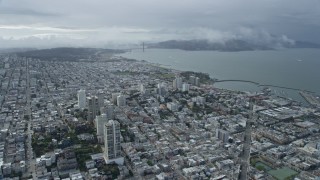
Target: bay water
[{"x": 293, "y": 68}]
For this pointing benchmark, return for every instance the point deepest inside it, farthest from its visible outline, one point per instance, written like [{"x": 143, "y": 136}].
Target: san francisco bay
[{"x": 293, "y": 68}]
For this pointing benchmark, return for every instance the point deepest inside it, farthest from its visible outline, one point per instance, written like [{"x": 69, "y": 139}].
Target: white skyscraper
[
  {"x": 112, "y": 143},
  {"x": 121, "y": 100},
  {"x": 177, "y": 83},
  {"x": 185, "y": 87},
  {"x": 101, "y": 121},
  {"x": 82, "y": 99}
]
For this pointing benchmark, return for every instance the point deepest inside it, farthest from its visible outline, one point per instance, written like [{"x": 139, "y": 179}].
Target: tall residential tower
[
  {"x": 82, "y": 99},
  {"x": 112, "y": 152},
  {"x": 101, "y": 121},
  {"x": 93, "y": 107}
]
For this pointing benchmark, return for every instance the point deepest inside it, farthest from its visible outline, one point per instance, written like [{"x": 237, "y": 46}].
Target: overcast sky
[{"x": 103, "y": 23}]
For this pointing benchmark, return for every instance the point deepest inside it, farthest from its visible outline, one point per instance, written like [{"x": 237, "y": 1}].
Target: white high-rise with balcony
[
  {"x": 112, "y": 151},
  {"x": 121, "y": 100}
]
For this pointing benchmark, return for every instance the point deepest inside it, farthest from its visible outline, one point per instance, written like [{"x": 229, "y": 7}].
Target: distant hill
[
  {"x": 68, "y": 54},
  {"x": 305, "y": 44},
  {"x": 13, "y": 50},
  {"x": 229, "y": 45}
]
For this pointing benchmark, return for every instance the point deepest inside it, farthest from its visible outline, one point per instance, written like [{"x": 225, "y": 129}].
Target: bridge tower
[{"x": 142, "y": 46}]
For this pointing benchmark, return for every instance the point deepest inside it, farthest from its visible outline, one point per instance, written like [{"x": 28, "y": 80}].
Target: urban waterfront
[
  {"x": 159, "y": 90},
  {"x": 115, "y": 118},
  {"x": 294, "y": 68}
]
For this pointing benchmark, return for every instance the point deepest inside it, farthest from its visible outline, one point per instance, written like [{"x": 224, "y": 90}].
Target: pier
[
  {"x": 283, "y": 87},
  {"x": 311, "y": 99},
  {"x": 261, "y": 85},
  {"x": 237, "y": 80}
]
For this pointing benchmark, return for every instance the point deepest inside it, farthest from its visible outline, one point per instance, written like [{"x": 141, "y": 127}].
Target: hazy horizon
[{"x": 111, "y": 24}]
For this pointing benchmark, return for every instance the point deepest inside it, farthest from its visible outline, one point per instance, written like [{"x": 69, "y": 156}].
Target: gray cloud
[
  {"x": 103, "y": 22},
  {"x": 25, "y": 12}
]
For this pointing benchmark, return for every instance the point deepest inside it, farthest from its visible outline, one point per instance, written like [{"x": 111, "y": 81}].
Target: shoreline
[{"x": 215, "y": 80}]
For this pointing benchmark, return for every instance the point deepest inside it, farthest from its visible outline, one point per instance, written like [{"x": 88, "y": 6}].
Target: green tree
[
  {"x": 260, "y": 168},
  {"x": 149, "y": 162}
]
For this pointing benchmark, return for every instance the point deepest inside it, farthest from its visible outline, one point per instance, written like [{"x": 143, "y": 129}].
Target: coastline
[{"x": 215, "y": 80}]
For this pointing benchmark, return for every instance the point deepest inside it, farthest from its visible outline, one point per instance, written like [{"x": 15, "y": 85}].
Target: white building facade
[{"x": 112, "y": 143}]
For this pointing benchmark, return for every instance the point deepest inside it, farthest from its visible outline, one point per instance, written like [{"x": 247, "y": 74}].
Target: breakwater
[
  {"x": 310, "y": 98},
  {"x": 262, "y": 85}
]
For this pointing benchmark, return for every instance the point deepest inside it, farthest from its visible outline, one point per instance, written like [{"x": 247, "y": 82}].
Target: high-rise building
[
  {"x": 177, "y": 83},
  {"x": 199, "y": 100},
  {"x": 100, "y": 98},
  {"x": 93, "y": 107},
  {"x": 142, "y": 89},
  {"x": 192, "y": 80},
  {"x": 101, "y": 121},
  {"x": 112, "y": 143},
  {"x": 110, "y": 111},
  {"x": 222, "y": 135},
  {"x": 197, "y": 82},
  {"x": 185, "y": 87},
  {"x": 114, "y": 98},
  {"x": 82, "y": 99},
  {"x": 172, "y": 106},
  {"x": 121, "y": 100},
  {"x": 161, "y": 89}
]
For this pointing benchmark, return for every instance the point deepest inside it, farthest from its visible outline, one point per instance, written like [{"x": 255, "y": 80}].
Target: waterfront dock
[
  {"x": 261, "y": 85},
  {"x": 311, "y": 99},
  {"x": 236, "y": 80}
]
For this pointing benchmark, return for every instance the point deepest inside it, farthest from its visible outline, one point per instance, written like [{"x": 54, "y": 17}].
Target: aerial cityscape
[
  {"x": 159, "y": 90},
  {"x": 122, "y": 118}
]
